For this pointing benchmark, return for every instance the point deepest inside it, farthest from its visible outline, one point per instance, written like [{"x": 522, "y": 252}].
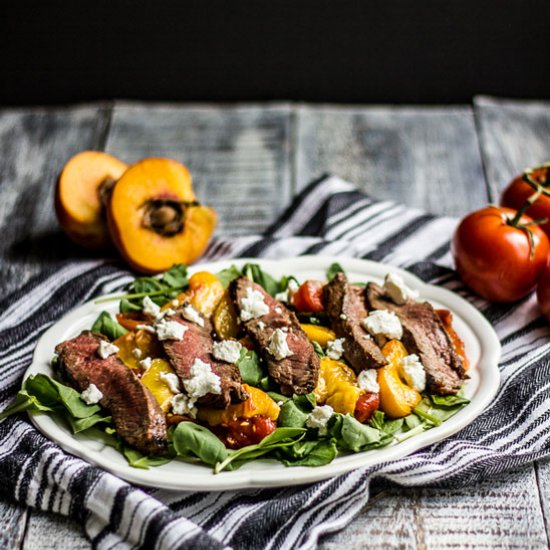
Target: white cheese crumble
[
  {"x": 191, "y": 314},
  {"x": 413, "y": 372},
  {"x": 146, "y": 328},
  {"x": 278, "y": 346},
  {"x": 278, "y": 310},
  {"x": 343, "y": 316},
  {"x": 170, "y": 330},
  {"x": 261, "y": 325},
  {"x": 202, "y": 380},
  {"x": 288, "y": 294},
  {"x": 91, "y": 395},
  {"x": 149, "y": 307},
  {"x": 165, "y": 313},
  {"x": 171, "y": 380},
  {"x": 253, "y": 305},
  {"x": 106, "y": 349},
  {"x": 145, "y": 364},
  {"x": 227, "y": 350},
  {"x": 175, "y": 302},
  {"x": 382, "y": 322},
  {"x": 137, "y": 353},
  {"x": 184, "y": 405},
  {"x": 335, "y": 348},
  {"x": 368, "y": 380},
  {"x": 319, "y": 417},
  {"x": 397, "y": 290}
]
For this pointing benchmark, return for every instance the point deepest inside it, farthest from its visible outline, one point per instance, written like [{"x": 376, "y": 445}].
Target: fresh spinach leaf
[
  {"x": 126, "y": 306},
  {"x": 333, "y": 269},
  {"x": 278, "y": 397},
  {"x": 265, "y": 280},
  {"x": 229, "y": 274},
  {"x": 107, "y": 326},
  {"x": 250, "y": 368},
  {"x": 311, "y": 453},
  {"x": 136, "y": 459},
  {"x": 190, "y": 439},
  {"x": 435, "y": 409},
  {"x": 358, "y": 437},
  {"x": 175, "y": 277},
  {"x": 292, "y": 416},
  {"x": 448, "y": 401},
  {"x": 318, "y": 349}
]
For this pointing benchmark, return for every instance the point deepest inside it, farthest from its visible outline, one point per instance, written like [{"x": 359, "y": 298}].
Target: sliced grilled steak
[
  {"x": 297, "y": 373},
  {"x": 197, "y": 344},
  {"x": 345, "y": 305},
  {"x": 138, "y": 417},
  {"x": 425, "y": 335}
]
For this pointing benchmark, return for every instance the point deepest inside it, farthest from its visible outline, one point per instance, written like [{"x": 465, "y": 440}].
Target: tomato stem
[{"x": 514, "y": 222}]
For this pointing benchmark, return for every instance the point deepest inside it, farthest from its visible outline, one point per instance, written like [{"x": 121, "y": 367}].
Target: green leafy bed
[{"x": 292, "y": 443}]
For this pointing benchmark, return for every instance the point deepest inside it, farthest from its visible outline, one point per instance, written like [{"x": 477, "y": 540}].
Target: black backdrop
[{"x": 392, "y": 51}]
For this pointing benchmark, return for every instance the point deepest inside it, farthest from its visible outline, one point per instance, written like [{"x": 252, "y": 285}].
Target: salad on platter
[{"x": 226, "y": 368}]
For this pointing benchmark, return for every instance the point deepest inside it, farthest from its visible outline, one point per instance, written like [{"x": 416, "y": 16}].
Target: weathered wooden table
[{"x": 248, "y": 161}]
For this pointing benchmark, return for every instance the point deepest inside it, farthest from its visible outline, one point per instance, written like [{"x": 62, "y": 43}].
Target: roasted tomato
[
  {"x": 241, "y": 432},
  {"x": 309, "y": 297},
  {"x": 130, "y": 321},
  {"x": 543, "y": 292},
  {"x": 520, "y": 189},
  {"x": 499, "y": 254},
  {"x": 365, "y": 406}
]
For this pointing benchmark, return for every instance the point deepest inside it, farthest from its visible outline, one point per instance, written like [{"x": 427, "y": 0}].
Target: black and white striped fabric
[{"x": 329, "y": 217}]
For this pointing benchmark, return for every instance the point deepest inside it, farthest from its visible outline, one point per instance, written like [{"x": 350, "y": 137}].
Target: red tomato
[
  {"x": 130, "y": 321},
  {"x": 309, "y": 297},
  {"x": 543, "y": 292},
  {"x": 494, "y": 258},
  {"x": 248, "y": 431},
  {"x": 519, "y": 190},
  {"x": 365, "y": 406}
]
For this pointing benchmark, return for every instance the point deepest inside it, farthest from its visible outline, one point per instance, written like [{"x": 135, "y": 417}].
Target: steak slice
[
  {"x": 138, "y": 417},
  {"x": 425, "y": 335},
  {"x": 197, "y": 344},
  {"x": 345, "y": 305},
  {"x": 296, "y": 373}
]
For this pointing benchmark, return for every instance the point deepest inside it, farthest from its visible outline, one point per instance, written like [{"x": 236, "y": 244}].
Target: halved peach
[
  {"x": 82, "y": 190},
  {"x": 154, "y": 217}
]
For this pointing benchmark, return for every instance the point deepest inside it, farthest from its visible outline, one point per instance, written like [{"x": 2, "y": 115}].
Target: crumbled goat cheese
[
  {"x": 149, "y": 307},
  {"x": 278, "y": 310},
  {"x": 343, "y": 316},
  {"x": 368, "y": 380},
  {"x": 171, "y": 380},
  {"x": 319, "y": 417},
  {"x": 278, "y": 346},
  {"x": 261, "y": 325},
  {"x": 147, "y": 328},
  {"x": 382, "y": 322},
  {"x": 413, "y": 372},
  {"x": 288, "y": 294},
  {"x": 253, "y": 305},
  {"x": 184, "y": 405},
  {"x": 91, "y": 395},
  {"x": 397, "y": 290},
  {"x": 175, "y": 302},
  {"x": 137, "y": 353},
  {"x": 191, "y": 314},
  {"x": 145, "y": 363},
  {"x": 227, "y": 350},
  {"x": 202, "y": 380},
  {"x": 335, "y": 348},
  {"x": 165, "y": 313},
  {"x": 106, "y": 349},
  {"x": 170, "y": 330}
]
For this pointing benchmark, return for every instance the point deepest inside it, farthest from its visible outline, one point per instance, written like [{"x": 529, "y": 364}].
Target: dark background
[{"x": 391, "y": 51}]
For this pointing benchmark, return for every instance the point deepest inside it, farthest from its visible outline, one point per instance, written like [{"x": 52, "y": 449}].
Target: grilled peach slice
[
  {"x": 82, "y": 191},
  {"x": 154, "y": 217}
]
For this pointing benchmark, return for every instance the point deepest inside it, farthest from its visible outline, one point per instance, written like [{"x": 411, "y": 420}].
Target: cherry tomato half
[
  {"x": 365, "y": 406},
  {"x": 543, "y": 292},
  {"x": 309, "y": 297},
  {"x": 519, "y": 190},
  {"x": 496, "y": 259},
  {"x": 248, "y": 431}
]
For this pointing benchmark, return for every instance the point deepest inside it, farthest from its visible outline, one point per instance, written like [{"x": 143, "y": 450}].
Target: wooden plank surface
[
  {"x": 426, "y": 157},
  {"x": 245, "y": 156},
  {"x": 239, "y": 156}
]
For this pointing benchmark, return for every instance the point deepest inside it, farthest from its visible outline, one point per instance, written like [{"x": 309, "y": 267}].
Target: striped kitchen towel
[{"x": 329, "y": 217}]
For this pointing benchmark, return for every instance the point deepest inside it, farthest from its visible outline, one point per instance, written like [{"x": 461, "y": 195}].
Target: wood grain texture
[
  {"x": 13, "y": 518},
  {"x": 514, "y": 135},
  {"x": 50, "y": 532},
  {"x": 500, "y": 512},
  {"x": 424, "y": 156},
  {"x": 239, "y": 156},
  {"x": 35, "y": 144}
]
